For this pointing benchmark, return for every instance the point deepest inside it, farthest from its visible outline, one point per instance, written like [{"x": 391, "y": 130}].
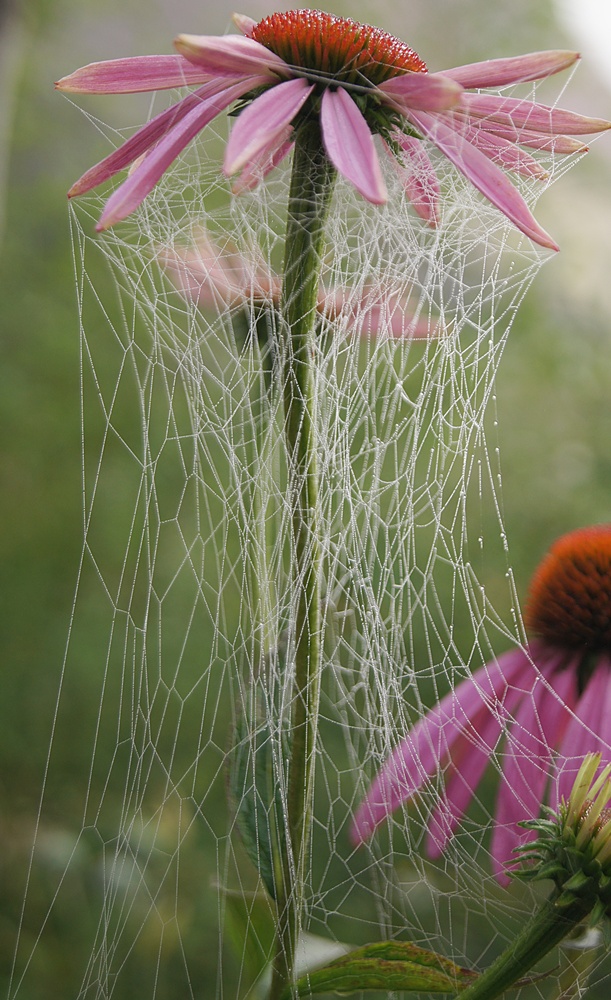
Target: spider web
[{"x": 189, "y": 601}]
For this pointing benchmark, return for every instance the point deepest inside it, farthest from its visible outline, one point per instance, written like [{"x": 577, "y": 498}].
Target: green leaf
[
  {"x": 255, "y": 794},
  {"x": 386, "y": 965},
  {"x": 251, "y": 929}
]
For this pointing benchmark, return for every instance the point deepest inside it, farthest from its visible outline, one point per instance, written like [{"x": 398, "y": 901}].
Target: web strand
[{"x": 181, "y": 442}]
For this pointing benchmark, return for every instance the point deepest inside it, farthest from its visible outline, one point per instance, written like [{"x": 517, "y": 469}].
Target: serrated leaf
[
  {"x": 388, "y": 966},
  {"x": 255, "y": 797}
]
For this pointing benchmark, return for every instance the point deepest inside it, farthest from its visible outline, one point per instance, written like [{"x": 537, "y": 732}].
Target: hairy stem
[
  {"x": 546, "y": 928},
  {"x": 309, "y": 198}
]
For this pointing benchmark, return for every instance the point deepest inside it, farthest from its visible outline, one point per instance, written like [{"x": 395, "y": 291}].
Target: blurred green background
[{"x": 552, "y": 404}]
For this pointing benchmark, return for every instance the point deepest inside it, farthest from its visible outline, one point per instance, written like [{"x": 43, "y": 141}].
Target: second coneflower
[{"x": 551, "y": 698}]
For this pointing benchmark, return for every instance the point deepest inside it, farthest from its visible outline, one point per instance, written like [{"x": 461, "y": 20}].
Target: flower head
[
  {"x": 356, "y": 81},
  {"x": 544, "y": 706},
  {"x": 573, "y": 845},
  {"x": 222, "y": 278}
]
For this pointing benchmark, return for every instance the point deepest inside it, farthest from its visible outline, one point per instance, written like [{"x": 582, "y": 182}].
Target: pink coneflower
[
  {"x": 356, "y": 81},
  {"x": 551, "y": 699},
  {"x": 222, "y": 278}
]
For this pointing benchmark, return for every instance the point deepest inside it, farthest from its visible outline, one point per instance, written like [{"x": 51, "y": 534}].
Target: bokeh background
[{"x": 553, "y": 400}]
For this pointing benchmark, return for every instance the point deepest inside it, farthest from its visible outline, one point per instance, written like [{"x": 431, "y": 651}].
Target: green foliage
[
  {"x": 387, "y": 966},
  {"x": 255, "y": 794}
]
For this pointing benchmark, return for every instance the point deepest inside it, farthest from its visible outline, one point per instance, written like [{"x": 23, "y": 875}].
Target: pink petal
[
  {"x": 535, "y": 117},
  {"x": 264, "y": 121},
  {"x": 439, "y": 734},
  {"x": 231, "y": 55},
  {"x": 349, "y": 145},
  {"x": 539, "y": 725},
  {"x": 504, "y": 152},
  {"x": 499, "y": 72},
  {"x": 133, "y": 75},
  {"x": 484, "y": 175},
  {"x": 265, "y": 161},
  {"x": 419, "y": 178},
  {"x": 604, "y": 663},
  {"x": 525, "y": 137},
  {"x": 467, "y": 771},
  {"x": 423, "y": 91},
  {"x": 145, "y": 137},
  {"x": 244, "y": 23},
  {"x": 582, "y": 733},
  {"x": 143, "y": 179}
]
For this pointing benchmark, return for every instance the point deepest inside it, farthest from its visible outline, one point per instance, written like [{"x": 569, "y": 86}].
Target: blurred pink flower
[
  {"x": 222, "y": 278},
  {"x": 358, "y": 81},
  {"x": 551, "y": 701}
]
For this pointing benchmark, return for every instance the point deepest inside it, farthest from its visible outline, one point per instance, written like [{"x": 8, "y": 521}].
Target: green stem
[
  {"x": 262, "y": 594},
  {"x": 546, "y": 929},
  {"x": 309, "y": 199}
]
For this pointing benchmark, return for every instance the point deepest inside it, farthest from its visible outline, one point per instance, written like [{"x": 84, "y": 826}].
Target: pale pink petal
[
  {"x": 231, "y": 55},
  {"x": 582, "y": 733},
  {"x": 540, "y": 723},
  {"x": 264, "y": 122},
  {"x": 143, "y": 179},
  {"x": 265, "y": 161},
  {"x": 133, "y": 75},
  {"x": 349, "y": 145},
  {"x": 423, "y": 91},
  {"x": 375, "y": 312},
  {"x": 244, "y": 23},
  {"x": 526, "y": 114},
  {"x": 437, "y": 736},
  {"x": 482, "y": 173},
  {"x": 390, "y": 315},
  {"x": 216, "y": 278},
  {"x": 145, "y": 137},
  {"x": 418, "y": 177},
  {"x": 504, "y": 152},
  {"x": 519, "y": 69}
]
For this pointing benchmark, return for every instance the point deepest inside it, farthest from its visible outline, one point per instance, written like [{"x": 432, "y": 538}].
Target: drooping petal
[
  {"x": 582, "y": 733},
  {"x": 418, "y": 177},
  {"x": 482, "y": 173},
  {"x": 143, "y": 179},
  {"x": 142, "y": 140},
  {"x": 133, "y": 75},
  {"x": 504, "y": 152},
  {"x": 423, "y": 91},
  {"x": 349, "y": 145},
  {"x": 467, "y": 769},
  {"x": 539, "y": 726},
  {"x": 533, "y": 140},
  {"x": 264, "y": 121},
  {"x": 265, "y": 161},
  {"x": 434, "y": 738},
  {"x": 526, "y": 114},
  {"x": 231, "y": 55},
  {"x": 518, "y": 69}
]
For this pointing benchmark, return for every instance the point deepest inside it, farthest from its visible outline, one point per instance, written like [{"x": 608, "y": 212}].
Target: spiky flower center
[
  {"x": 337, "y": 47},
  {"x": 570, "y": 595}
]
